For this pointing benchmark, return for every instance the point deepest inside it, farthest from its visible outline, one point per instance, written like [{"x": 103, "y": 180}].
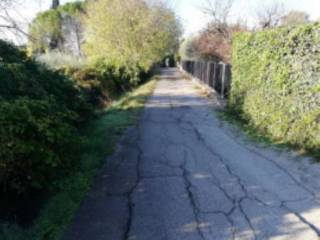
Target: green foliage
[
  {"x": 72, "y": 9},
  {"x": 46, "y": 29},
  {"x": 35, "y": 142},
  {"x": 103, "y": 82},
  {"x": 188, "y": 50},
  {"x": 100, "y": 137},
  {"x": 39, "y": 111},
  {"x": 276, "y": 85},
  {"x": 119, "y": 58},
  {"x": 130, "y": 35},
  {"x": 10, "y": 54}
]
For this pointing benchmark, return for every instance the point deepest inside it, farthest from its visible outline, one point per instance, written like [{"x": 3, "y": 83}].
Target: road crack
[
  {"x": 191, "y": 197},
  {"x": 251, "y": 196},
  {"x": 130, "y": 194},
  {"x": 301, "y": 218}
]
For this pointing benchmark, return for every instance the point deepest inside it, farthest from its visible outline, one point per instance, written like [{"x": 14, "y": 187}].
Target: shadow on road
[{"x": 182, "y": 174}]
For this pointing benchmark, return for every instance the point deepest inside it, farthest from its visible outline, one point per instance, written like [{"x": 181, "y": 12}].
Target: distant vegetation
[
  {"x": 53, "y": 29},
  {"x": 276, "y": 83},
  {"x": 214, "y": 41},
  {"x": 107, "y": 53},
  {"x": 134, "y": 38}
]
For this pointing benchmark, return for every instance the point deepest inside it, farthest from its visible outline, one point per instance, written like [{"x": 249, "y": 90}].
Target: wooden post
[
  {"x": 211, "y": 74},
  {"x": 208, "y": 73},
  {"x": 216, "y": 76},
  {"x": 223, "y": 80}
]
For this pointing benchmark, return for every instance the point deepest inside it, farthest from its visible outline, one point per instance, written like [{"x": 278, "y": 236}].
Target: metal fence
[{"x": 215, "y": 75}]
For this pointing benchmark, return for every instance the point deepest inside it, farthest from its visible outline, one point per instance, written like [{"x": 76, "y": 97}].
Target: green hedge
[
  {"x": 103, "y": 82},
  {"x": 40, "y": 111},
  {"x": 276, "y": 83}
]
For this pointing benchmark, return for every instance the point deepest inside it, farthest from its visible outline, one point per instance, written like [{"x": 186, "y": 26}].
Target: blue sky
[{"x": 189, "y": 11}]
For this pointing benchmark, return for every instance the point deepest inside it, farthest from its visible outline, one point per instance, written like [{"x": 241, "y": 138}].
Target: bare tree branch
[
  {"x": 214, "y": 42},
  {"x": 7, "y": 26},
  {"x": 9, "y": 23},
  {"x": 270, "y": 16},
  {"x": 218, "y": 10}
]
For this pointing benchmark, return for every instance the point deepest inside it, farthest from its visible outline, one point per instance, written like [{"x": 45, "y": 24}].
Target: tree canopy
[
  {"x": 45, "y": 31},
  {"x": 132, "y": 33}
]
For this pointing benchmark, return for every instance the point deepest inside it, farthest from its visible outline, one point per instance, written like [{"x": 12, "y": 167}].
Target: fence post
[
  {"x": 208, "y": 74},
  {"x": 215, "y": 75},
  {"x": 211, "y": 74},
  {"x": 223, "y": 79}
]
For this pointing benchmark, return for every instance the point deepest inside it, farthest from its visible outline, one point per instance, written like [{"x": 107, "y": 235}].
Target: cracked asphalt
[{"x": 183, "y": 173}]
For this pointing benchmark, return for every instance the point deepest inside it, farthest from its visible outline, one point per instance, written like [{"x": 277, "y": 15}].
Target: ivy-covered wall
[{"x": 276, "y": 83}]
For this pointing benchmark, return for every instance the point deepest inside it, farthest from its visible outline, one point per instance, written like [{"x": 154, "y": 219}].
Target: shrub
[
  {"x": 9, "y": 53},
  {"x": 90, "y": 81},
  {"x": 35, "y": 139},
  {"x": 104, "y": 82},
  {"x": 276, "y": 83},
  {"x": 39, "y": 113},
  {"x": 101, "y": 82}
]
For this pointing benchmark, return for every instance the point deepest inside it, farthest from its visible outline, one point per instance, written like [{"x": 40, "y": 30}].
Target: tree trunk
[{"x": 55, "y": 4}]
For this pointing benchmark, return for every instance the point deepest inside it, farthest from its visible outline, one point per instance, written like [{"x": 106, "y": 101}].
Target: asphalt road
[{"x": 183, "y": 174}]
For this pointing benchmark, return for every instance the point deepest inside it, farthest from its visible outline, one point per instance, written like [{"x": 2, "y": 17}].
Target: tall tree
[
  {"x": 131, "y": 33},
  {"x": 218, "y": 10},
  {"x": 214, "y": 42},
  {"x": 55, "y": 4},
  {"x": 270, "y": 16},
  {"x": 58, "y": 29}
]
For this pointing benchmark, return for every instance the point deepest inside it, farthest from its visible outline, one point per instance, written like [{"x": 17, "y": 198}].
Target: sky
[
  {"x": 189, "y": 11},
  {"x": 194, "y": 20}
]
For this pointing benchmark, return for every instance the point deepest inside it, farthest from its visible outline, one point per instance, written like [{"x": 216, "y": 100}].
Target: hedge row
[
  {"x": 276, "y": 83},
  {"x": 102, "y": 82},
  {"x": 40, "y": 111}
]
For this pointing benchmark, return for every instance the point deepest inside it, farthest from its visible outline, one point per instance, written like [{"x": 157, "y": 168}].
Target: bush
[
  {"x": 40, "y": 111},
  {"x": 276, "y": 85},
  {"x": 89, "y": 80},
  {"x": 9, "y": 53},
  {"x": 103, "y": 82}
]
